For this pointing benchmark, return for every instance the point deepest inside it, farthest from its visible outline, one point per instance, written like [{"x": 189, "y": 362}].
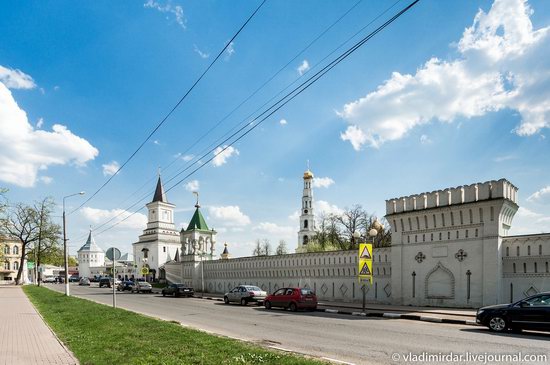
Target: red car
[{"x": 293, "y": 298}]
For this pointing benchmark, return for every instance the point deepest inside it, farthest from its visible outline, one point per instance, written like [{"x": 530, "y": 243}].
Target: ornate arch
[{"x": 440, "y": 283}]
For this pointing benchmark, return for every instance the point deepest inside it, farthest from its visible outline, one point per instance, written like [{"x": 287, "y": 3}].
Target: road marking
[
  {"x": 281, "y": 348},
  {"x": 337, "y": 361},
  {"x": 391, "y": 315}
]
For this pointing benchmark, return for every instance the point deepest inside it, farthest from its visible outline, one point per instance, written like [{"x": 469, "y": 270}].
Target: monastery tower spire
[{"x": 307, "y": 218}]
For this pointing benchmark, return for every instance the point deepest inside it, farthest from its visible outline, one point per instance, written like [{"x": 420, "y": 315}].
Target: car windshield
[
  {"x": 181, "y": 286},
  {"x": 253, "y": 288}
]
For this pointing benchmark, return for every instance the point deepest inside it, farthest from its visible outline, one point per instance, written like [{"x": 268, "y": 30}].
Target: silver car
[
  {"x": 245, "y": 294},
  {"x": 142, "y": 287}
]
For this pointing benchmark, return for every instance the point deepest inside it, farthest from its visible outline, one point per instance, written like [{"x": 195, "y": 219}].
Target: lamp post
[
  {"x": 65, "y": 251},
  {"x": 373, "y": 232}
]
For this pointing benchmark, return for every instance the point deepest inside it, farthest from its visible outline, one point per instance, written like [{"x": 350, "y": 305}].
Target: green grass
[{"x": 98, "y": 334}]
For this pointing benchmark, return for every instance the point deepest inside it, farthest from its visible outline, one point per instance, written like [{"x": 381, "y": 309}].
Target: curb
[{"x": 411, "y": 317}]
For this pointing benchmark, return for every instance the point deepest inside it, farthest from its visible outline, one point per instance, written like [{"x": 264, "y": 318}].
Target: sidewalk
[{"x": 24, "y": 337}]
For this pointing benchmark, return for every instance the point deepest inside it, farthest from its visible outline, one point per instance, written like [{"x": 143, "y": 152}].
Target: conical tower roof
[
  {"x": 160, "y": 195},
  {"x": 90, "y": 245},
  {"x": 197, "y": 221}
]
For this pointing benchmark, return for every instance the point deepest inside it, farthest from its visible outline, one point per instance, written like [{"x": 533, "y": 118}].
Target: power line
[
  {"x": 286, "y": 99},
  {"x": 173, "y": 109}
]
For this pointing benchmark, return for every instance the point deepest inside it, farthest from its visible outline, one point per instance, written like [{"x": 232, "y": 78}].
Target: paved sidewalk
[{"x": 24, "y": 337}]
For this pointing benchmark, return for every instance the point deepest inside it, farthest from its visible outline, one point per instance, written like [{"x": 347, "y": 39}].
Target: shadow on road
[{"x": 528, "y": 335}]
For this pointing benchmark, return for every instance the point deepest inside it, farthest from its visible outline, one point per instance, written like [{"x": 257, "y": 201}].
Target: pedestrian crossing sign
[{"x": 365, "y": 262}]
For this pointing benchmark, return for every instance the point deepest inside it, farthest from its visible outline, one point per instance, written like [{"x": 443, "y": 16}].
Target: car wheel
[
  {"x": 226, "y": 300},
  {"x": 267, "y": 304},
  {"x": 293, "y": 307},
  {"x": 163, "y": 294},
  {"x": 497, "y": 324},
  {"x": 243, "y": 301}
]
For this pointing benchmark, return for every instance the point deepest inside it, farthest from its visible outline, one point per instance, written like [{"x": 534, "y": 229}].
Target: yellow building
[{"x": 10, "y": 261}]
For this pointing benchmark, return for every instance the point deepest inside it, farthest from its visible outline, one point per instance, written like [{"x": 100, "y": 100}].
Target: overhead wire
[{"x": 285, "y": 100}]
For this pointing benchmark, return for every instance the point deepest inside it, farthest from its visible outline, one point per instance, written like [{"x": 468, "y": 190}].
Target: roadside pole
[
  {"x": 113, "y": 254},
  {"x": 114, "y": 282}
]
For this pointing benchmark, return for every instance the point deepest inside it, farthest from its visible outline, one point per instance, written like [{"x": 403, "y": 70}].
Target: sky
[{"x": 449, "y": 94}]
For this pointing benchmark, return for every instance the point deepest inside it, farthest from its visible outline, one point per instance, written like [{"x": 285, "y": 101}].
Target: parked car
[
  {"x": 105, "y": 282},
  {"x": 178, "y": 290},
  {"x": 48, "y": 279},
  {"x": 245, "y": 294},
  {"x": 532, "y": 313},
  {"x": 142, "y": 287},
  {"x": 74, "y": 279},
  {"x": 292, "y": 298},
  {"x": 125, "y": 285},
  {"x": 84, "y": 281}
]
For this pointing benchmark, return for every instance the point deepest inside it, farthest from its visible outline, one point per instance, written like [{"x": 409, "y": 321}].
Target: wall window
[
  {"x": 461, "y": 218},
  {"x": 507, "y": 251},
  {"x": 164, "y": 249},
  {"x": 426, "y": 222},
  {"x": 394, "y": 226},
  {"x": 423, "y": 237},
  {"x": 540, "y": 249},
  {"x": 536, "y": 270},
  {"x": 546, "y": 266},
  {"x": 452, "y": 219},
  {"x": 477, "y": 232},
  {"x": 517, "y": 251},
  {"x": 481, "y": 215},
  {"x": 467, "y": 231},
  {"x": 440, "y": 236},
  {"x": 492, "y": 214},
  {"x": 443, "y": 219},
  {"x": 529, "y": 250},
  {"x": 402, "y": 225},
  {"x": 456, "y": 234},
  {"x": 448, "y": 235},
  {"x": 417, "y": 223},
  {"x": 15, "y": 250},
  {"x": 435, "y": 223},
  {"x": 431, "y": 236},
  {"x": 471, "y": 216},
  {"x": 408, "y": 239},
  {"x": 16, "y": 265},
  {"x": 514, "y": 267},
  {"x": 524, "y": 267},
  {"x": 6, "y": 265},
  {"x": 305, "y": 223},
  {"x": 410, "y": 225},
  {"x": 6, "y": 250}
]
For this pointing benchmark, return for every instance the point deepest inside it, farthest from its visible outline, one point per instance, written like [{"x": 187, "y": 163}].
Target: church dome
[{"x": 308, "y": 174}]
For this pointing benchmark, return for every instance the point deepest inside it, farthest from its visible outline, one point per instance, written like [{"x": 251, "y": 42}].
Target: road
[{"x": 351, "y": 339}]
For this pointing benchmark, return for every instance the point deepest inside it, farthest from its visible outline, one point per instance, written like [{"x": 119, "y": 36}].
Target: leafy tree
[
  {"x": 281, "y": 249},
  {"x": 266, "y": 247},
  {"x": 32, "y": 227},
  {"x": 258, "y": 248}
]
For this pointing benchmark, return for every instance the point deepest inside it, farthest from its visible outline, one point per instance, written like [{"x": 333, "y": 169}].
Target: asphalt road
[{"x": 356, "y": 340}]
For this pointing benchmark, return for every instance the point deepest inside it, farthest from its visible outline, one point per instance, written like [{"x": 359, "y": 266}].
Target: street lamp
[
  {"x": 373, "y": 232},
  {"x": 65, "y": 252}
]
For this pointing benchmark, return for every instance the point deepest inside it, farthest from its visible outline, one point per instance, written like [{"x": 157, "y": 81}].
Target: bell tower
[{"x": 307, "y": 218}]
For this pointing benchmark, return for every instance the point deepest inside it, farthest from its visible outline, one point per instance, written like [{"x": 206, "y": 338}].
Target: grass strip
[{"x": 98, "y": 334}]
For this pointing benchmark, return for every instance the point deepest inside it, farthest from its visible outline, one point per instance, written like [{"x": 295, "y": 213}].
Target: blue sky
[{"x": 451, "y": 93}]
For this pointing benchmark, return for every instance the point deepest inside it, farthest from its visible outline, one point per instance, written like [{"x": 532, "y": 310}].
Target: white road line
[{"x": 281, "y": 348}]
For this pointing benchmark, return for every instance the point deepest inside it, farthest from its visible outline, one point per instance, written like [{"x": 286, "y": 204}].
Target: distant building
[
  {"x": 11, "y": 260},
  {"x": 307, "y": 218},
  {"x": 90, "y": 258}
]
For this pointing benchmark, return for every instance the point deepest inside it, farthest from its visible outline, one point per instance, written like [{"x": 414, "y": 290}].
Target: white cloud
[
  {"x": 504, "y": 158},
  {"x": 295, "y": 216},
  {"x": 274, "y": 229},
  {"x": 526, "y": 213},
  {"x": 356, "y": 137},
  {"x": 322, "y": 182},
  {"x": 424, "y": 139},
  {"x": 46, "y": 179},
  {"x": 192, "y": 185},
  {"x": 230, "y": 50},
  {"x": 229, "y": 215},
  {"x": 156, "y": 141},
  {"x": 95, "y": 216},
  {"x": 303, "y": 68},
  {"x": 199, "y": 52},
  {"x": 40, "y": 123},
  {"x": 110, "y": 168},
  {"x": 503, "y": 63},
  {"x": 56, "y": 88},
  {"x": 15, "y": 79},
  {"x": 541, "y": 195},
  {"x": 223, "y": 155},
  {"x": 283, "y": 122},
  {"x": 186, "y": 158},
  {"x": 30, "y": 149},
  {"x": 528, "y": 222},
  {"x": 176, "y": 10},
  {"x": 326, "y": 208}
]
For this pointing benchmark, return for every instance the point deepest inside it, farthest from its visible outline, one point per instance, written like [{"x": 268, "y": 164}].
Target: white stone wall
[{"x": 332, "y": 275}]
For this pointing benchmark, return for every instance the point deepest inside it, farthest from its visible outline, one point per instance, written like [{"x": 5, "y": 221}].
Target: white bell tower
[{"x": 307, "y": 218}]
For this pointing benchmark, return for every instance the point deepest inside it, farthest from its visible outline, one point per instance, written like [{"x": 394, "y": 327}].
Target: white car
[
  {"x": 245, "y": 294},
  {"x": 49, "y": 279},
  {"x": 142, "y": 287}
]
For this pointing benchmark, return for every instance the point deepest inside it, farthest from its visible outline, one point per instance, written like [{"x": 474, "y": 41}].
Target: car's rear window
[
  {"x": 307, "y": 292},
  {"x": 253, "y": 288}
]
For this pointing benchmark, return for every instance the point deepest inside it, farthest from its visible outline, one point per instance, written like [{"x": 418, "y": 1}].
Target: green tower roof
[{"x": 197, "y": 222}]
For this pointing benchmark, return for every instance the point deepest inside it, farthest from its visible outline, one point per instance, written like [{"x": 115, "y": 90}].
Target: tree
[
  {"x": 281, "y": 249},
  {"x": 257, "y": 249},
  {"x": 32, "y": 227},
  {"x": 351, "y": 220},
  {"x": 266, "y": 247}
]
